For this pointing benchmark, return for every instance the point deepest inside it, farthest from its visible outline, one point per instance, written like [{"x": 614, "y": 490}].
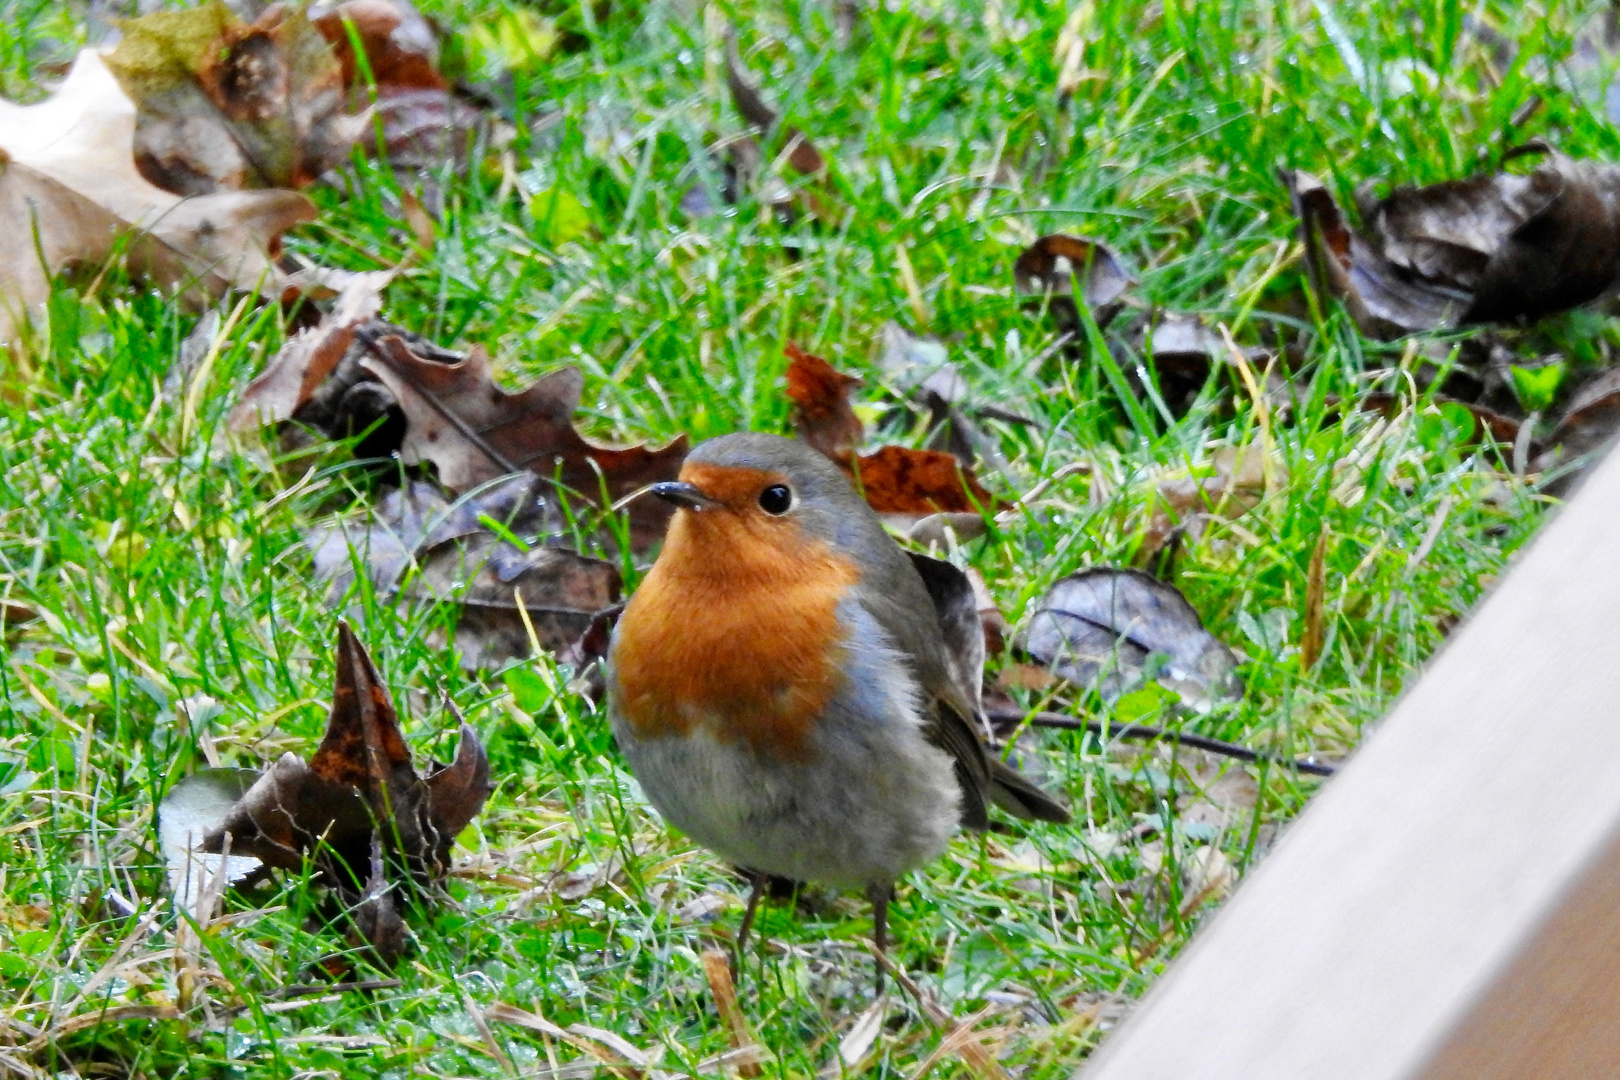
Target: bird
[{"x": 780, "y": 687}]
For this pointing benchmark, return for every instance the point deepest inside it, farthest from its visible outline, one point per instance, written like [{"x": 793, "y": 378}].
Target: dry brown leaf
[
  {"x": 741, "y": 162},
  {"x": 309, "y": 358},
  {"x": 70, "y": 193},
  {"x": 1584, "y": 431},
  {"x": 352, "y": 374},
  {"x": 1049, "y": 268},
  {"x": 717, "y": 968},
  {"x": 286, "y": 811},
  {"x": 800, "y": 152},
  {"x": 472, "y": 431},
  {"x": 226, "y": 105},
  {"x": 900, "y": 481},
  {"x": 1185, "y": 351},
  {"x": 423, "y": 119},
  {"x": 1496, "y": 248},
  {"x": 822, "y": 414},
  {"x": 458, "y": 560},
  {"x": 401, "y": 48},
  {"x": 1342, "y": 263},
  {"x": 357, "y": 798},
  {"x": 1521, "y": 246}
]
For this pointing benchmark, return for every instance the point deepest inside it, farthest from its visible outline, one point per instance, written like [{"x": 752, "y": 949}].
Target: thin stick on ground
[{"x": 1149, "y": 733}]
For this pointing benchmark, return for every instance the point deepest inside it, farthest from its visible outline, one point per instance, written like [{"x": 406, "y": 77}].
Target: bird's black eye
[{"x": 776, "y": 499}]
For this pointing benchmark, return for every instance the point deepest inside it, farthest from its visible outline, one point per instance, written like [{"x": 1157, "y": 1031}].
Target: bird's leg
[
  {"x": 748, "y": 918},
  {"x": 880, "y": 895}
]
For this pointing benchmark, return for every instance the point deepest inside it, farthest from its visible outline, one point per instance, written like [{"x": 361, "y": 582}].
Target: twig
[
  {"x": 1148, "y": 733},
  {"x": 298, "y": 990},
  {"x": 717, "y": 968},
  {"x": 491, "y": 1045}
]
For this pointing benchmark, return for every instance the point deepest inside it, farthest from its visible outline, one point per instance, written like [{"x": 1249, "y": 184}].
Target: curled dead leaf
[
  {"x": 191, "y": 810},
  {"x": 1049, "y": 269},
  {"x": 1383, "y": 301},
  {"x": 822, "y": 414},
  {"x": 353, "y": 374},
  {"x": 1582, "y": 435},
  {"x": 423, "y": 119},
  {"x": 357, "y": 798},
  {"x": 226, "y": 105},
  {"x": 287, "y": 812},
  {"x": 1496, "y": 248},
  {"x": 457, "y": 791},
  {"x": 740, "y": 163},
  {"x": 1112, "y": 630},
  {"x": 299, "y": 368},
  {"x": 400, "y": 47},
  {"x": 1521, "y": 246},
  {"x": 799, "y": 151},
  {"x": 898, "y": 482},
  {"x": 1183, "y": 351}
]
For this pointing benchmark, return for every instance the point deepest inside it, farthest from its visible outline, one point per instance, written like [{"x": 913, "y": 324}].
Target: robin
[{"x": 781, "y": 688}]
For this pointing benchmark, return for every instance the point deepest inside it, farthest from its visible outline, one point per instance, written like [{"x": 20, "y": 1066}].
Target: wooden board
[{"x": 1448, "y": 907}]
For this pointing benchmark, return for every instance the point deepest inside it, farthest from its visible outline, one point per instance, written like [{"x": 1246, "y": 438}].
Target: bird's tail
[{"x": 1020, "y": 797}]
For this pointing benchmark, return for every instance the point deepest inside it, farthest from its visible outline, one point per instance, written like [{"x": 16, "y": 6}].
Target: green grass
[{"x": 168, "y": 569}]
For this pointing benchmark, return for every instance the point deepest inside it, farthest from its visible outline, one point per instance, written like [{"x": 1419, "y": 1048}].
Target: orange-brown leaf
[
  {"x": 820, "y": 394},
  {"x": 900, "y": 480},
  {"x": 398, "y": 44}
]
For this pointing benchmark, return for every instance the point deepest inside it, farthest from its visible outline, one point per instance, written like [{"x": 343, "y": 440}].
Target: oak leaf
[
  {"x": 472, "y": 432},
  {"x": 417, "y": 545},
  {"x": 308, "y": 359},
  {"x": 70, "y": 194}
]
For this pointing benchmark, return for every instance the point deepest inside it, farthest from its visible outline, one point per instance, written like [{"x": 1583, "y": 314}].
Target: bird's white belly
[{"x": 871, "y": 800}]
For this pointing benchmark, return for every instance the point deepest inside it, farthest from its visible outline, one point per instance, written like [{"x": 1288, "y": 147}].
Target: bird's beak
[{"x": 686, "y": 496}]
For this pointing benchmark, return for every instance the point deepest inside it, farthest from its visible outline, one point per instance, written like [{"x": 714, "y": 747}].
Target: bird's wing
[
  {"x": 953, "y": 722},
  {"x": 1021, "y": 797},
  {"x": 948, "y": 730},
  {"x": 947, "y": 717}
]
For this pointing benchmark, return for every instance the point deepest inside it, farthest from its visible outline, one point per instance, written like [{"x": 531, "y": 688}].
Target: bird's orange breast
[{"x": 734, "y": 630}]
